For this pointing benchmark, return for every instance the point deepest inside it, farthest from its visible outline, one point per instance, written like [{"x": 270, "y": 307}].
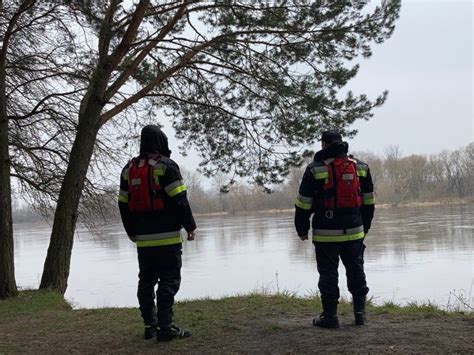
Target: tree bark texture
[
  {"x": 58, "y": 259},
  {"x": 7, "y": 269},
  {"x": 7, "y": 260}
]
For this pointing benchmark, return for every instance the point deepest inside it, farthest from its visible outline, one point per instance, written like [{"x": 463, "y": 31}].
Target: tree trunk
[
  {"x": 58, "y": 260},
  {"x": 7, "y": 268}
]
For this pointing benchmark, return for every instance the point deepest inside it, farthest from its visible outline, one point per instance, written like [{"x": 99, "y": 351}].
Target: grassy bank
[{"x": 44, "y": 322}]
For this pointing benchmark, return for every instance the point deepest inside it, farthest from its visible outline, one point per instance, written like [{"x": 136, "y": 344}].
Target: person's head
[
  {"x": 329, "y": 138},
  {"x": 154, "y": 141}
]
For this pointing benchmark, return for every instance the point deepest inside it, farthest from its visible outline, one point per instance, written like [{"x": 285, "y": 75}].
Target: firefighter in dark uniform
[
  {"x": 154, "y": 207},
  {"x": 337, "y": 189}
]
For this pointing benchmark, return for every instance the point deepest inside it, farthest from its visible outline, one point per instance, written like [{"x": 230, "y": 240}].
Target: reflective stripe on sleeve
[
  {"x": 123, "y": 196},
  {"x": 159, "y": 169},
  {"x": 175, "y": 188},
  {"x": 362, "y": 170},
  {"x": 304, "y": 202},
  {"x": 125, "y": 174},
  {"x": 368, "y": 198},
  {"x": 320, "y": 172}
]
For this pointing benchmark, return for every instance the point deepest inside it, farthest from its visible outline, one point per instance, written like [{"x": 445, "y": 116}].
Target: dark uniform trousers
[
  {"x": 158, "y": 265},
  {"x": 327, "y": 258}
]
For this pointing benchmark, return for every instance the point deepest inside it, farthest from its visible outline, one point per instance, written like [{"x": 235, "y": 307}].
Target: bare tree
[
  {"x": 193, "y": 180},
  {"x": 36, "y": 101},
  {"x": 7, "y": 272}
]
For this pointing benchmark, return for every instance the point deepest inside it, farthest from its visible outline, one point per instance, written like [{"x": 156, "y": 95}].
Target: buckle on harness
[{"x": 329, "y": 214}]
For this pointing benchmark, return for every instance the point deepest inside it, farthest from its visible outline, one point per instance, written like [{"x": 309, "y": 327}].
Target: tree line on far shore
[{"x": 398, "y": 179}]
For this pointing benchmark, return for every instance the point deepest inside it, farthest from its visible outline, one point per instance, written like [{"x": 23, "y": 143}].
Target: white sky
[{"x": 427, "y": 67}]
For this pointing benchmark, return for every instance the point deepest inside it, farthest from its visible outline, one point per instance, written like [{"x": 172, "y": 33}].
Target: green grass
[
  {"x": 253, "y": 305},
  {"x": 426, "y": 309},
  {"x": 55, "y": 325},
  {"x": 31, "y": 302}
]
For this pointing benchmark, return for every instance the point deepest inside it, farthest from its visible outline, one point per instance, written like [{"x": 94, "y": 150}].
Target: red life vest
[
  {"x": 342, "y": 188},
  {"x": 145, "y": 191}
]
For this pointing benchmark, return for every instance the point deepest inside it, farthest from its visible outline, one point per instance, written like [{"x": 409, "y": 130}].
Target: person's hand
[
  {"x": 133, "y": 238},
  {"x": 303, "y": 237},
  {"x": 191, "y": 235}
]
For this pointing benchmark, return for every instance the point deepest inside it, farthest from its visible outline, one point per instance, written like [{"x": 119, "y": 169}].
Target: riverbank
[
  {"x": 32, "y": 217},
  {"x": 43, "y": 322},
  {"x": 403, "y": 204}
]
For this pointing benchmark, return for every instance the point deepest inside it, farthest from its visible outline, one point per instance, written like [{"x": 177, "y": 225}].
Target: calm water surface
[{"x": 413, "y": 254}]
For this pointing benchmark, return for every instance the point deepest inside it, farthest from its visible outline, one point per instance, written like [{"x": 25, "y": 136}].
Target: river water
[{"x": 413, "y": 254}]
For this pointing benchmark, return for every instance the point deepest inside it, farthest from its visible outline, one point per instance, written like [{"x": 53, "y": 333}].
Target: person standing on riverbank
[
  {"x": 154, "y": 207},
  {"x": 337, "y": 189}
]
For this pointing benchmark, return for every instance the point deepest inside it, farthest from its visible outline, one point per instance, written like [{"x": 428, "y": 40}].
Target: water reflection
[{"x": 419, "y": 253}]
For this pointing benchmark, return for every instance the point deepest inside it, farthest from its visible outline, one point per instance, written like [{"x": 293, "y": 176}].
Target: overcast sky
[{"x": 427, "y": 67}]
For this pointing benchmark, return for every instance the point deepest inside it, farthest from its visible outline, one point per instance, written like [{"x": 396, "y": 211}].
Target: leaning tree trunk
[
  {"x": 58, "y": 260},
  {"x": 7, "y": 268}
]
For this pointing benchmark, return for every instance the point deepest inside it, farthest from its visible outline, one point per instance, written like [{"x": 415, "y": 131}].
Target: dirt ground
[
  {"x": 281, "y": 333},
  {"x": 384, "y": 333}
]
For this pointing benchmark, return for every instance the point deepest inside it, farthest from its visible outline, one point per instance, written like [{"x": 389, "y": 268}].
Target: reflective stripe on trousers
[
  {"x": 158, "y": 239},
  {"x": 338, "y": 235}
]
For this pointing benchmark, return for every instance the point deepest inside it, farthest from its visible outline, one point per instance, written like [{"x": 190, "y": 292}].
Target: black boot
[
  {"x": 328, "y": 319},
  {"x": 150, "y": 332},
  {"x": 151, "y": 322},
  {"x": 172, "y": 332},
  {"x": 359, "y": 310}
]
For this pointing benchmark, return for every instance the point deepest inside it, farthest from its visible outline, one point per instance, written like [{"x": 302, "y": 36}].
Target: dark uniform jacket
[
  {"x": 340, "y": 224},
  {"x": 162, "y": 227}
]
